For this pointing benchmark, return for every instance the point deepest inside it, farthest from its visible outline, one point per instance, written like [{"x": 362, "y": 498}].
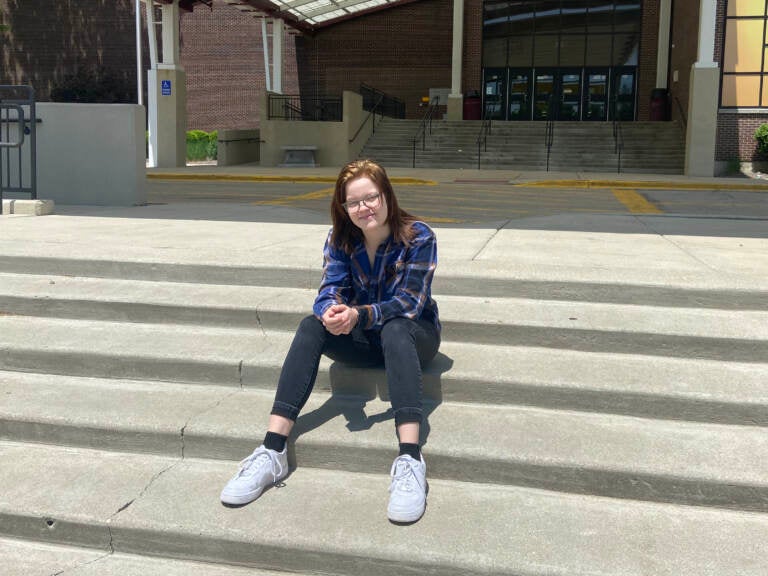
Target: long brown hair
[{"x": 345, "y": 234}]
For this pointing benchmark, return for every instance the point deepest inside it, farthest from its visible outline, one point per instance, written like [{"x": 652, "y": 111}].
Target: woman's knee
[{"x": 397, "y": 329}]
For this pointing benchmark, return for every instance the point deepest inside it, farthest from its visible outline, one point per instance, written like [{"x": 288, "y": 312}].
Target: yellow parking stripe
[{"x": 636, "y": 203}]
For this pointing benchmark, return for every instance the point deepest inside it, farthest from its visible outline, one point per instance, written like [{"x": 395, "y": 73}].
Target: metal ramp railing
[{"x": 18, "y": 146}]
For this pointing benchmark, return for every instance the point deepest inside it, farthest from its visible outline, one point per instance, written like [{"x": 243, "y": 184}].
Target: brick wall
[
  {"x": 685, "y": 40},
  {"x": 48, "y": 40},
  {"x": 472, "y": 72},
  {"x": 223, "y": 57},
  {"x": 736, "y": 136},
  {"x": 649, "y": 48},
  {"x": 403, "y": 51}
]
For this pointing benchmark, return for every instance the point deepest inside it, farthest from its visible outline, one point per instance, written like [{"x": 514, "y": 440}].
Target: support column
[
  {"x": 278, "y": 35},
  {"x": 167, "y": 93},
  {"x": 702, "y": 102},
  {"x": 455, "y": 98}
]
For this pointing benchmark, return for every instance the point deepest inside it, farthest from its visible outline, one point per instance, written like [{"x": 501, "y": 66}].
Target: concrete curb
[
  {"x": 402, "y": 181},
  {"x": 28, "y": 207},
  {"x": 642, "y": 184}
]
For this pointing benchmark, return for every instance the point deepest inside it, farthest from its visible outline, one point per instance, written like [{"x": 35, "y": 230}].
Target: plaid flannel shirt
[{"x": 398, "y": 285}]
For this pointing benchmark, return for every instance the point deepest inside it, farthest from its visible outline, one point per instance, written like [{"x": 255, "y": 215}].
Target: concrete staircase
[
  {"x": 576, "y": 426},
  {"x": 649, "y": 147}
]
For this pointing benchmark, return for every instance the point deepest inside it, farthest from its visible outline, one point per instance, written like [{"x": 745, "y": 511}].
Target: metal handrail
[
  {"x": 682, "y": 113},
  {"x": 391, "y": 106},
  {"x": 549, "y": 138},
  {"x": 12, "y": 99},
  {"x": 618, "y": 138},
  {"x": 300, "y": 108},
  {"x": 372, "y": 112},
  {"x": 426, "y": 123},
  {"x": 482, "y": 137}
]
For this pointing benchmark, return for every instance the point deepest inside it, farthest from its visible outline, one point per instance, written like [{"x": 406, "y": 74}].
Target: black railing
[
  {"x": 18, "y": 127},
  {"x": 371, "y": 116},
  {"x": 549, "y": 138},
  {"x": 482, "y": 137},
  {"x": 426, "y": 124},
  {"x": 682, "y": 113},
  {"x": 618, "y": 138},
  {"x": 387, "y": 105},
  {"x": 323, "y": 109}
]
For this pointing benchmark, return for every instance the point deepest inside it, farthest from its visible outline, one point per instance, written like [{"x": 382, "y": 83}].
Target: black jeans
[{"x": 403, "y": 346}]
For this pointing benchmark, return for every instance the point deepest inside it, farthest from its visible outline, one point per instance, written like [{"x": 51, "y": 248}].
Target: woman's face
[{"x": 366, "y": 205}]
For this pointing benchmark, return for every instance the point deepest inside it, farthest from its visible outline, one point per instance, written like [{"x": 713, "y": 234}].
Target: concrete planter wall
[
  {"x": 331, "y": 139},
  {"x": 91, "y": 154}
]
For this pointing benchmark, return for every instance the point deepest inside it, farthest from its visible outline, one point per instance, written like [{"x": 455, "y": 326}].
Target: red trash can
[
  {"x": 472, "y": 106},
  {"x": 659, "y": 105}
]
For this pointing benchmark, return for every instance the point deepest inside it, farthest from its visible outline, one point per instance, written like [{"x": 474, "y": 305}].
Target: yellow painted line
[
  {"x": 284, "y": 200},
  {"x": 440, "y": 219},
  {"x": 400, "y": 180},
  {"x": 642, "y": 184},
  {"x": 636, "y": 203}
]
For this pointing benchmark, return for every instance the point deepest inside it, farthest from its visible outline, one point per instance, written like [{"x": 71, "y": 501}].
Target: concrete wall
[
  {"x": 91, "y": 154},
  {"x": 332, "y": 139},
  {"x": 237, "y": 147}
]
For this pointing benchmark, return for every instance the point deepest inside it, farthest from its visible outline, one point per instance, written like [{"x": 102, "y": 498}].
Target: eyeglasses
[{"x": 370, "y": 201}]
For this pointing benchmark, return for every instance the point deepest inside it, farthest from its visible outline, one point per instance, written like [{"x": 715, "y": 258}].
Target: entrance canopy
[{"x": 309, "y": 15}]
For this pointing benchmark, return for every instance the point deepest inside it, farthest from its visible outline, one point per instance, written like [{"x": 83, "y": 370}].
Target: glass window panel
[
  {"x": 572, "y": 50},
  {"x": 743, "y": 48},
  {"x": 746, "y": 7},
  {"x": 626, "y": 17},
  {"x": 545, "y": 53},
  {"x": 600, "y": 17},
  {"x": 599, "y": 48},
  {"x": 548, "y": 16},
  {"x": 495, "y": 53},
  {"x": 626, "y": 48},
  {"x": 741, "y": 90},
  {"x": 521, "y": 17},
  {"x": 495, "y": 19},
  {"x": 574, "y": 16},
  {"x": 520, "y": 51}
]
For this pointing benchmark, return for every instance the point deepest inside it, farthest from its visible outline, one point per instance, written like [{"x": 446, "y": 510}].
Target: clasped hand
[{"x": 340, "y": 319}]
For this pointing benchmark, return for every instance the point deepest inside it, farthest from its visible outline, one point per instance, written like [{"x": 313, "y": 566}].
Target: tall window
[
  {"x": 567, "y": 33},
  {"x": 745, "y": 55}
]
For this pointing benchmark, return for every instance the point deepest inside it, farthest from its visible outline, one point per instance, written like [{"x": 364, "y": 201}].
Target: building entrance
[
  {"x": 589, "y": 94},
  {"x": 569, "y": 60}
]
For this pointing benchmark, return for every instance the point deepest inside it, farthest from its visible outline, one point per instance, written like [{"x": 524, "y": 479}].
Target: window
[{"x": 745, "y": 69}]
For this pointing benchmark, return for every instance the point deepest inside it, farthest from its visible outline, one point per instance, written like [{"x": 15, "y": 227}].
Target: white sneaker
[
  {"x": 408, "y": 491},
  {"x": 258, "y": 471}
]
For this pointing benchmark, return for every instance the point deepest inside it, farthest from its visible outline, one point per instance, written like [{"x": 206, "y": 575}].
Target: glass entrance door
[
  {"x": 519, "y": 97},
  {"x": 543, "y": 95},
  {"x": 494, "y": 93},
  {"x": 595, "y": 94},
  {"x": 624, "y": 90},
  {"x": 568, "y": 86}
]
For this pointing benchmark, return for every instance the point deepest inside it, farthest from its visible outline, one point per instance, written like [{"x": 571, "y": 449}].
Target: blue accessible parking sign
[{"x": 165, "y": 87}]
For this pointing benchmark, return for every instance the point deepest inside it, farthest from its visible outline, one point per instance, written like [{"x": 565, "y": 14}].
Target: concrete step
[
  {"x": 28, "y": 558},
  {"x": 163, "y": 507},
  {"x": 588, "y": 326},
  {"x": 586, "y": 453},
  {"x": 657, "y": 386}
]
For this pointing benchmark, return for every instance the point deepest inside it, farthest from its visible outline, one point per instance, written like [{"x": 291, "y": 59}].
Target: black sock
[
  {"x": 411, "y": 449},
  {"x": 275, "y": 441}
]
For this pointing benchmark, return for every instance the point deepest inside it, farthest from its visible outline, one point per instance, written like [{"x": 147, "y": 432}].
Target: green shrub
[
  {"x": 761, "y": 135},
  {"x": 201, "y": 145}
]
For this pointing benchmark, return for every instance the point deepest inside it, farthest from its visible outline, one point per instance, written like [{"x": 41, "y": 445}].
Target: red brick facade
[
  {"x": 403, "y": 52},
  {"x": 223, "y": 56},
  {"x": 48, "y": 40},
  {"x": 649, "y": 48}
]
